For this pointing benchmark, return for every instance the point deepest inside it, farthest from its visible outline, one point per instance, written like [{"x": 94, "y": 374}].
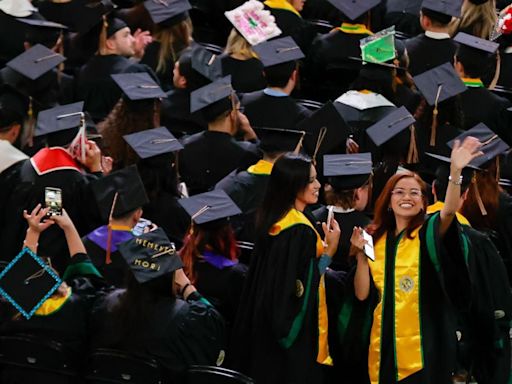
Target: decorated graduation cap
[
  {"x": 477, "y": 43},
  {"x": 216, "y": 95},
  {"x": 167, "y": 12},
  {"x": 209, "y": 207},
  {"x": 380, "y": 47},
  {"x": 278, "y": 51},
  {"x": 446, "y": 7},
  {"x": 279, "y": 140},
  {"x": 354, "y": 8},
  {"x": 437, "y": 85},
  {"x": 138, "y": 86},
  {"x": 206, "y": 63},
  {"x": 346, "y": 172},
  {"x": 27, "y": 281},
  {"x": 153, "y": 142},
  {"x": 150, "y": 255},
  {"x": 326, "y": 131},
  {"x": 35, "y": 62}
]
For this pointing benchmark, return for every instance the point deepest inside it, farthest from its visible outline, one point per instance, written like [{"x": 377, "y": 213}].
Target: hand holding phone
[
  {"x": 330, "y": 216},
  {"x": 368, "y": 246}
]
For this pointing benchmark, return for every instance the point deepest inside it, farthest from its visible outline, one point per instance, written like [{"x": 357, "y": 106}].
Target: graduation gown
[
  {"x": 264, "y": 110},
  {"x": 246, "y": 75},
  {"x": 175, "y": 114},
  {"x": 282, "y": 292},
  {"x": 505, "y": 79},
  {"x": 426, "y": 53},
  {"x": 503, "y": 240},
  {"x": 209, "y": 156}
]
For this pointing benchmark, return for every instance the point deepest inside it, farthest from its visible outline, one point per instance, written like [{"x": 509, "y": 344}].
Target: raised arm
[
  {"x": 73, "y": 239},
  {"x": 37, "y": 223},
  {"x": 462, "y": 155}
]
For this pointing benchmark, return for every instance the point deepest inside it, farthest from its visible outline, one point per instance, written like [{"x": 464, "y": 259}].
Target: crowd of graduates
[{"x": 328, "y": 205}]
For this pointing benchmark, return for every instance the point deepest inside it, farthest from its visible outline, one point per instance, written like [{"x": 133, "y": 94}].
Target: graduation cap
[
  {"x": 150, "y": 255},
  {"x": 206, "y": 63},
  {"x": 92, "y": 13},
  {"x": 379, "y": 47},
  {"x": 127, "y": 185},
  {"x": 210, "y": 94},
  {"x": 446, "y": 7},
  {"x": 354, "y": 8},
  {"x": 411, "y": 7},
  {"x": 167, "y": 12},
  {"x": 13, "y": 106},
  {"x": 437, "y": 85},
  {"x": 279, "y": 140},
  {"x": 209, "y": 207},
  {"x": 138, "y": 86},
  {"x": 42, "y": 24},
  {"x": 153, "y": 142},
  {"x": 27, "y": 281},
  {"x": 346, "y": 172},
  {"x": 326, "y": 122},
  {"x": 476, "y": 42},
  {"x": 60, "y": 118},
  {"x": 278, "y": 51},
  {"x": 35, "y": 62}
]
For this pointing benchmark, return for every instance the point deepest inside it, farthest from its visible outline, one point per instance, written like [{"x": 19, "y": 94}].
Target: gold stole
[
  {"x": 407, "y": 324},
  {"x": 262, "y": 167},
  {"x": 358, "y": 29},
  {"x": 282, "y": 4},
  {"x": 295, "y": 217},
  {"x": 53, "y": 304}
]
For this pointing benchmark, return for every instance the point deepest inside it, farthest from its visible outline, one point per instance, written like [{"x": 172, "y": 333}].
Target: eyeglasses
[{"x": 401, "y": 193}]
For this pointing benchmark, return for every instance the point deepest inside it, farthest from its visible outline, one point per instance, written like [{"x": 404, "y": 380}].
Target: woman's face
[
  {"x": 309, "y": 194},
  {"x": 297, "y": 4},
  {"x": 406, "y": 198}
]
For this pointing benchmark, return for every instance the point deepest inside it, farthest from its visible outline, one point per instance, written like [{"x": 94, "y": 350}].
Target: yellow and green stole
[
  {"x": 262, "y": 167},
  {"x": 295, "y": 217},
  {"x": 356, "y": 29},
  {"x": 472, "y": 83},
  {"x": 438, "y": 206},
  {"x": 407, "y": 324},
  {"x": 53, "y": 304},
  {"x": 282, "y": 4}
]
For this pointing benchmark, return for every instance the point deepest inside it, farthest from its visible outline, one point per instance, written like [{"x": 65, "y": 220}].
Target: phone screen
[
  {"x": 53, "y": 200},
  {"x": 368, "y": 247}
]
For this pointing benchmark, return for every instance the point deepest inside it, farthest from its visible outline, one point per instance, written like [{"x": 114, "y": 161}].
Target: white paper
[
  {"x": 368, "y": 247},
  {"x": 362, "y": 101}
]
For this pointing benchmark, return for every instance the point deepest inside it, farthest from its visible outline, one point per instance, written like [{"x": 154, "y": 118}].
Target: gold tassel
[
  {"x": 479, "y": 201},
  {"x": 319, "y": 141},
  {"x": 433, "y": 131},
  {"x": 497, "y": 72},
  {"x": 299, "y": 144},
  {"x": 29, "y": 141},
  {"x": 413, "y": 156},
  {"x": 108, "y": 259}
]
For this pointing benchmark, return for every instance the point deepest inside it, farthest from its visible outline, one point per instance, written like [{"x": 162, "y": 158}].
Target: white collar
[
  {"x": 17, "y": 8},
  {"x": 508, "y": 50},
  {"x": 9, "y": 155},
  {"x": 340, "y": 210},
  {"x": 437, "y": 35}
]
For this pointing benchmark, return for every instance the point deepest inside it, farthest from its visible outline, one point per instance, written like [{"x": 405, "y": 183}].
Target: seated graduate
[
  {"x": 41, "y": 303},
  {"x": 57, "y": 165},
  {"x": 478, "y": 18},
  {"x": 210, "y": 252},
  {"x": 149, "y": 320},
  {"x": 120, "y": 196},
  {"x": 157, "y": 150},
  {"x": 404, "y": 15},
  {"x": 346, "y": 193},
  {"x": 505, "y": 40},
  {"x": 209, "y": 156},
  {"x": 273, "y": 106},
  {"x": 247, "y": 187}
]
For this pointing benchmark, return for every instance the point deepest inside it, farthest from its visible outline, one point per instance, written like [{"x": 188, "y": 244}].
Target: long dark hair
[
  {"x": 290, "y": 175},
  {"x": 158, "y": 174},
  {"x": 384, "y": 218}
]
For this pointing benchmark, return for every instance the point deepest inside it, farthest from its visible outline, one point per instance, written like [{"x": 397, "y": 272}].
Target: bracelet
[
  {"x": 182, "y": 291},
  {"x": 454, "y": 182}
]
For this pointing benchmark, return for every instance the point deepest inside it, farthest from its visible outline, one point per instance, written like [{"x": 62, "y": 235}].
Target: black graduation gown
[
  {"x": 341, "y": 261},
  {"x": 264, "y": 110},
  {"x": 95, "y": 86},
  {"x": 503, "y": 240},
  {"x": 269, "y": 305},
  {"x": 479, "y": 105},
  {"x": 246, "y": 75},
  {"x": 150, "y": 59},
  {"x": 426, "y": 53},
  {"x": 9, "y": 178},
  {"x": 209, "y": 156},
  {"x": 505, "y": 79},
  {"x": 178, "y": 333},
  {"x": 175, "y": 114}
]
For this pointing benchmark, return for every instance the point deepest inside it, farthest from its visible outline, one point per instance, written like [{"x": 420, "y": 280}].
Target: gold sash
[
  {"x": 407, "y": 326},
  {"x": 53, "y": 304},
  {"x": 262, "y": 167},
  {"x": 295, "y": 217},
  {"x": 358, "y": 29},
  {"x": 282, "y": 4}
]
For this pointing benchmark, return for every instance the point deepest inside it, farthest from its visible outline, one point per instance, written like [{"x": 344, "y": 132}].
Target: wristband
[
  {"x": 455, "y": 182},
  {"x": 182, "y": 291}
]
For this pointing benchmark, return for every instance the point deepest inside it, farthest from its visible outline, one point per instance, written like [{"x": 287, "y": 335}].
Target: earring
[{"x": 389, "y": 209}]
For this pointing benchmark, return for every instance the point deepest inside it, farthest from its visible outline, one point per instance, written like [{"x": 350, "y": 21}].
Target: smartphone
[
  {"x": 368, "y": 247},
  {"x": 53, "y": 200},
  {"x": 140, "y": 226},
  {"x": 330, "y": 216}
]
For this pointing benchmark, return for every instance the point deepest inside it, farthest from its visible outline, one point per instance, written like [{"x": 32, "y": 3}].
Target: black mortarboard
[
  {"x": 167, "y": 12},
  {"x": 150, "y": 255},
  {"x": 354, "y": 8},
  {"x": 476, "y": 42},
  {"x": 446, "y": 7},
  {"x": 211, "y": 93},
  {"x": 411, "y": 7},
  {"x": 27, "y": 281},
  {"x": 42, "y": 23},
  {"x": 390, "y": 126},
  {"x": 326, "y": 122},
  {"x": 153, "y": 142},
  {"x": 278, "y": 51},
  {"x": 128, "y": 186},
  {"x": 210, "y": 206},
  {"x": 345, "y": 172},
  {"x": 35, "y": 62},
  {"x": 13, "y": 106},
  {"x": 206, "y": 63},
  {"x": 58, "y": 119},
  {"x": 492, "y": 145},
  {"x": 439, "y": 84},
  {"x": 138, "y": 86},
  {"x": 91, "y": 15},
  {"x": 279, "y": 140}
]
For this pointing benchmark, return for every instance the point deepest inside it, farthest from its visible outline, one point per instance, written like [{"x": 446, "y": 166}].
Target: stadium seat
[{"x": 203, "y": 374}]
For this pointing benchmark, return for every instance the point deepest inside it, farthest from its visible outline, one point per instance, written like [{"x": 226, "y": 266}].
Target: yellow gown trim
[
  {"x": 282, "y": 4},
  {"x": 262, "y": 167},
  {"x": 437, "y": 206},
  {"x": 358, "y": 29}
]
